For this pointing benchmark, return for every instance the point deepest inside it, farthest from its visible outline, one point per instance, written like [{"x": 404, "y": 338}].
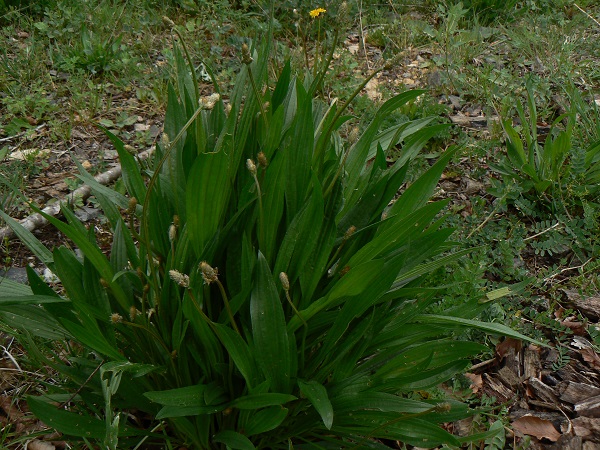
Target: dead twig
[{"x": 36, "y": 220}]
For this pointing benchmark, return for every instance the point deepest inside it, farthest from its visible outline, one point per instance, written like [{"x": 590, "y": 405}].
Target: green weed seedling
[{"x": 260, "y": 292}]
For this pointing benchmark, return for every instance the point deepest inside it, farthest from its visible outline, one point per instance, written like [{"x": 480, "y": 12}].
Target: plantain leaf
[
  {"x": 234, "y": 440},
  {"x": 73, "y": 424},
  {"x": 317, "y": 395},
  {"x": 29, "y": 299},
  {"x": 186, "y": 396},
  {"x": 265, "y": 420},
  {"x": 32, "y": 243},
  {"x": 257, "y": 401},
  {"x": 207, "y": 195},
  {"x": 269, "y": 329},
  {"x": 490, "y": 327}
]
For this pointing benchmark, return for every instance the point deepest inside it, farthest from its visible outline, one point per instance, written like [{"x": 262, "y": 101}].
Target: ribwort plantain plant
[{"x": 261, "y": 291}]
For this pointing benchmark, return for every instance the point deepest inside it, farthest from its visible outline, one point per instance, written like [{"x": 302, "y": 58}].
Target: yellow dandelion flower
[{"x": 317, "y": 12}]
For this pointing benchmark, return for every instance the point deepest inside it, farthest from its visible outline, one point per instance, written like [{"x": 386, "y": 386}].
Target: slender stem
[
  {"x": 228, "y": 307},
  {"x": 261, "y": 214},
  {"x": 316, "y": 61},
  {"x": 258, "y": 97},
  {"x": 305, "y": 329},
  {"x": 489, "y": 217}
]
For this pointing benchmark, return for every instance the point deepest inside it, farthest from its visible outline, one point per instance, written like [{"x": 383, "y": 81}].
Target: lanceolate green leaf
[
  {"x": 72, "y": 424},
  {"x": 130, "y": 170},
  {"x": 349, "y": 285},
  {"x": 418, "y": 193},
  {"x": 9, "y": 288},
  {"x": 29, "y": 299},
  {"x": 234, "y": 440},
  {"x": 240, "y": 353},
  {"x": 489, "y": 327},
  {"x": 257, "y": 401},
  {"x": 269, "y": 329},
  {"x": 29, "y": 239},
  {"x": 186, "y": 396},
  {"x": 207, "y": 194},
  {"x": 317, "y": 395},
  {"x": 265, "y": 420}
]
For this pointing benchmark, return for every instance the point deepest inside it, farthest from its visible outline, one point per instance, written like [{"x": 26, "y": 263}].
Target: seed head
[
  {"x": 116, "y": 318},
  {"x": 353, "y": 135},
  {"x": 251, "y": 167},
  {"x": 210, "y": 101},
  {"x": 443, "y": 407},
  {"x": 165, "y": 141},
  {"x": 246, "y": 57},
  {"x": 180, "y": 278},
  {"x": 349, "y": 232},
  {"x": 262, "y": 160},
  {"x": 132, "y": 205},
  {"x": 209, "y": 274},
  {"x": 133, "y": 313},
  {"x": 285, "y": 281},
  {"x": 168, "y": 21},
  {"x": 172, "y": 233}
]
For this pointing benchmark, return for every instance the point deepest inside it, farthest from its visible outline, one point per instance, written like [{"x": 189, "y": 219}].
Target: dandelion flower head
[{"x": 317, "y": 12}]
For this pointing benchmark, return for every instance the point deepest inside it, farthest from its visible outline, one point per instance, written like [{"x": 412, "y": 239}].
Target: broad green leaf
[
  {"x": 418, "y": 193},
  {"x": 66, "y": 422},
  {"x": 358, "y": 153},
  {"x": 185, "y": 396},
  {"x": 72, "y": 424},
  {"x": 33, "y": 320},
  {"x": 356, "y": 281},
  {"x": 317, "y": 395},
  {"x": 92, "y": 337},
  {"x": 136, "y": 370},
  {"x": 305, "y": 228},
  {"x": 10, "y": 288},
  {"x": 29, "y": 299},
  {"x": 239, "y": 352},
  {"x": 92, "y": 252},
  {"x": 169, "y": 412},
  {"x": 207, "y": 194},
  {"x": 299, "y": 150},
  {"x": 234, "y": 440},
  {"x": 265, "y": 420},
  {"x": 269, "y": 329},
  {"x": 257, "y": 401}
]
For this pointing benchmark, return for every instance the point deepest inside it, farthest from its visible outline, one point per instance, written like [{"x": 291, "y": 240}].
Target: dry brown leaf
[
  {"x": 534, "y": 426},
  {"x": 578, "y": 328},
  {"x": 503, "y": 347},
  {"x": 591, "y": 357},
  {"x": 476, "y": 382}
]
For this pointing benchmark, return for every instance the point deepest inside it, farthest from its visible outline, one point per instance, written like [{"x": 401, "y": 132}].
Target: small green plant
[
  {"x": 259, "y": 292},
  {"x": 546, "y": 170}
]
